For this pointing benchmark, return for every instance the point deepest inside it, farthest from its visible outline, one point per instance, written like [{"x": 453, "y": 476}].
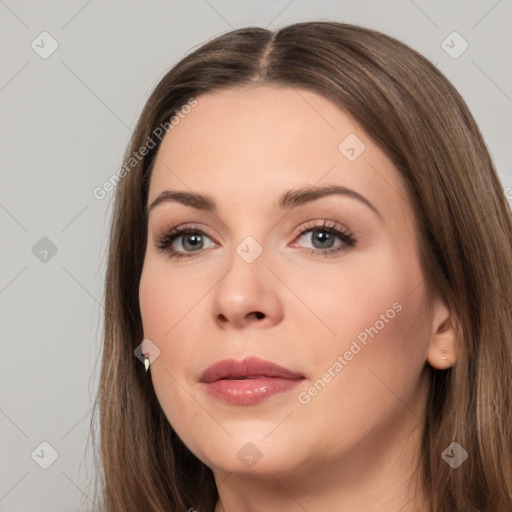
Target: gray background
[{"x": 65, "y": 122}]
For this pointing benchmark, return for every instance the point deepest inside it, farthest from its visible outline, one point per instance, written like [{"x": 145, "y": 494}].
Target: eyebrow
[{"x": 290, "y": 199}]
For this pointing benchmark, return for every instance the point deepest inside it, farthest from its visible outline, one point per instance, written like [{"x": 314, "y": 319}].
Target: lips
[
  {"x": 247, "y": 382},
  {"x": 248, "y": 368}
]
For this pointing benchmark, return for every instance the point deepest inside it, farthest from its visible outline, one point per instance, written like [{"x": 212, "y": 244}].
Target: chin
[{"x": 247, "y": 455}]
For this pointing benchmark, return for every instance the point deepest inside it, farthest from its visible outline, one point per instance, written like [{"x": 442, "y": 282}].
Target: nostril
[{"x": 259, "y": 315}]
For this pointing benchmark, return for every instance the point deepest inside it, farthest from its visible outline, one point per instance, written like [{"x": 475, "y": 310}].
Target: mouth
[
  {"x": 249, "y": 381},
  {"x": 248, "y": 368}
]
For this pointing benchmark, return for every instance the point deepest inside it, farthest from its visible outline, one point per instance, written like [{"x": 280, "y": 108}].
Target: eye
[
  {"x": 189, "y": 240},
  {"x": 182, "y": 242},
  {"x": 323, "y": 238}
]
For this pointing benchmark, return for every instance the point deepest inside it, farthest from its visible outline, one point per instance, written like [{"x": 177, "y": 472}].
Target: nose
[{"x": 247, "y": 296}]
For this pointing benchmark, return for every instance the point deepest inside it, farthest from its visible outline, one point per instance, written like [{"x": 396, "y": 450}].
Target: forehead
[
  {"x": 253, "y": 141},
  {"x": 281, "y": 118}
]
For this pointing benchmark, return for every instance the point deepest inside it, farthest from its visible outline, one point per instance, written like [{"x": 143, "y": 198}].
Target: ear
[{"x": 442, "y": 349}]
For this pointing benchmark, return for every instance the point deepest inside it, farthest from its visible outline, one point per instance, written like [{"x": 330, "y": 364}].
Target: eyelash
[{"x": 164, "y": 239}]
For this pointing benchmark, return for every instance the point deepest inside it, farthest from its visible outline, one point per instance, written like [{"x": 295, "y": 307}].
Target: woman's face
[{"x": 328, "y": 286}]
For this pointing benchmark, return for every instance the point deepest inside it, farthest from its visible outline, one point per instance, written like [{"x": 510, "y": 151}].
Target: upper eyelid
[{"x": 305, "y": 228}]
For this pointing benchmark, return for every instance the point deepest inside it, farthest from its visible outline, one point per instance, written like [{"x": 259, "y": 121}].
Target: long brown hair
[{"x": 464, "y": 228}]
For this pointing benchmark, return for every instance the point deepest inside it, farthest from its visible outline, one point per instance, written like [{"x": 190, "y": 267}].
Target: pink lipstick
[{"x": 249, "y": 381}]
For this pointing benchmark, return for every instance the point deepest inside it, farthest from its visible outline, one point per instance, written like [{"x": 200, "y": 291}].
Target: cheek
[
  {"x": 166, "y": 298},
  {"x": 173, "y": 311},
  {"x": 369, "y": 297},
  {"x": 166, "y": 309},
  {"x": 374, "y": 339},
  {"x": 368, "y": 375}
]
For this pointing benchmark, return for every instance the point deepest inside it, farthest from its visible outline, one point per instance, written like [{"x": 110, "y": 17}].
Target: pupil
[
  {"x": 323, "y": 237},
  {"x": 195, "y": 243}
]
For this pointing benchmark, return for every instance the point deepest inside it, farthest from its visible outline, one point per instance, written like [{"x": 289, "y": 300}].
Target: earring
[
  {"x": 444, "y": 352},
  {"x": 146, "y": 363}
]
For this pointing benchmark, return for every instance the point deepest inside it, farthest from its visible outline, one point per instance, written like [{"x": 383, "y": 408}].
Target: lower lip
[{"x": 249, "y": 391}]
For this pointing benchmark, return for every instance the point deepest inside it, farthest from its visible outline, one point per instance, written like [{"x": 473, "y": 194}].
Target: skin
[{"x": 355, "y": 444}]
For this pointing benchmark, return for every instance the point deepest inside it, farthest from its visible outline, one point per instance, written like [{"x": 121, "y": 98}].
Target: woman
[{"x": 308, "y": 293}]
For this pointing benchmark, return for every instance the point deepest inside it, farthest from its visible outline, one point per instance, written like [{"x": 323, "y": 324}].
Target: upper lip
[{"x": 248, "y": 367}]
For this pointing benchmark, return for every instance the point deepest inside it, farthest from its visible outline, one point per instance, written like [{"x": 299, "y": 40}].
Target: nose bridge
[
  {"x": 247, "y": 291},
  {"x": 244, "y": 282},
  {"x": 248, "y": 234}
]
